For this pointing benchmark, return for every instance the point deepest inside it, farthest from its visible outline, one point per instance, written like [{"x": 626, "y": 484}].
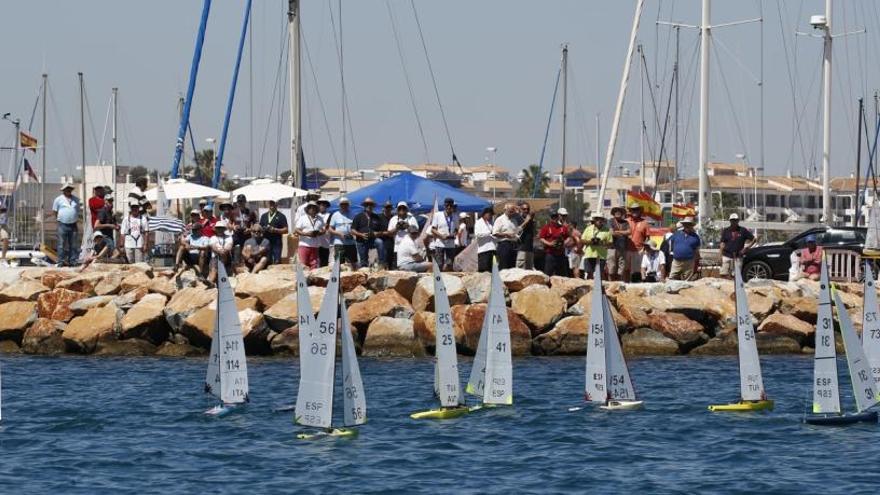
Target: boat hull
[
  {"x": 334, "y": 433},
  {"x": 744, "y": 406},
  {"x": 443, "y": 413},
  {"x": 221, "y": 410},
  {"x": 842, "y": 419},
  {"x": 623, "y": 405}
]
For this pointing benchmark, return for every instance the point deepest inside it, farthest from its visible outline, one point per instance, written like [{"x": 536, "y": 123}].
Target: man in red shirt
[
  {"x": 96, "y": 204},
  {"x": 553, "y": 237},
  {"x": 208, "y": 220},
  {"x": 638, "y": 227}
]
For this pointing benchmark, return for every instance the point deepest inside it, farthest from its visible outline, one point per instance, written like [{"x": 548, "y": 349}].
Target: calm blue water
[{"x": 87, "y": 425}]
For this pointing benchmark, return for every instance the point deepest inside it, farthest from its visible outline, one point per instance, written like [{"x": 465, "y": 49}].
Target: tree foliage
[{"x": 527, "y": 185}]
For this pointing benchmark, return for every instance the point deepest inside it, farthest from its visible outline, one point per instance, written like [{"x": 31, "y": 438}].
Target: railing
[{"x": 844, "y": 265}]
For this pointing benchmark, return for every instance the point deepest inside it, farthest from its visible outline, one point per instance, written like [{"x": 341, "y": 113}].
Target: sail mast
[
  {"x": 704, "y": 204},
  {"x": 295, "y": 99},
  {"x": 826, "y": 118},
  {"x": 82, "y": 142},
  {"x": 115, "y": 141},
  {"x": 43, "y": 165},
  {"x": 564, "y": 118}
]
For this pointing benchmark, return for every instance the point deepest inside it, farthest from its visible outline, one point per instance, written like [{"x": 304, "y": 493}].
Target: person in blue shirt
[
  {"x": 340, "y": 233},
  {"x": 685, "y": 251},
  {"x": 66, "y": 209}
]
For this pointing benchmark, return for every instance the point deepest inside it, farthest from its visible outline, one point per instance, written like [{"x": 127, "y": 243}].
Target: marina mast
[
  {"x": 564, "y": 119},
  {"x": 296, "y": 154},
  {"x": 704, "y": 201},
  {"x": 826, "y": 115}
]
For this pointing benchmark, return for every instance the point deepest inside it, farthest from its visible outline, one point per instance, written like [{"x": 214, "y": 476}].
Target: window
[
  {"x": 845, "y": 202},
  {"x": 782, "y": 201},
  {"x": 840, "y": 237},
  {"x": 772, "y": 217},
  {"x": 772, "y": 200},
  {"x": 811, "y": 202},
  {"x": 800, "y": 241},
  {"x": 795, "y": 202}
]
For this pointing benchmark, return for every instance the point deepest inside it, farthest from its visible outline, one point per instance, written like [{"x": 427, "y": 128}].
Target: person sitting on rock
[
  {"x": 811, "y": 259},
  {"x": 193, "y": 252},
  {"x": 255, "y": 252},
  {"x": 101, "y": 250},
  {"x": 411, "y": 253}
]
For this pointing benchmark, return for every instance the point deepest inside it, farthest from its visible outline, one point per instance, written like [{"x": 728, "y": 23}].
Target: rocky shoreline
[{"x": 134, "y": 310}]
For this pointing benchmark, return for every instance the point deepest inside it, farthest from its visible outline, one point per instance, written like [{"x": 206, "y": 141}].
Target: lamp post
[
  {"x": 213, "y": 143},
  {"x": 494, "y": 166}
]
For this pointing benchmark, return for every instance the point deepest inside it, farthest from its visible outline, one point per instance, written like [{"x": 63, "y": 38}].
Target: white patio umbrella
[
  {"x": 268, "y": 189},
  {"x": 182, "y": 189}
]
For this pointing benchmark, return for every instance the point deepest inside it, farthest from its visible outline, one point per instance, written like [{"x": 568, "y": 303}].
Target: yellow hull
[
  {"x": 444, "y": 413},
  {"x": 335, "y": 432},
  {"x": 744, "y": 406}
]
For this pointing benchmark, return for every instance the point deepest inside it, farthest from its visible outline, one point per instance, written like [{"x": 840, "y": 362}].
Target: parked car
[{"x": 772, "y": 260}]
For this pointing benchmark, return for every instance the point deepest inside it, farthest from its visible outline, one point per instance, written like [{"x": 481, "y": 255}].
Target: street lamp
[{"x": 494, "y": 166}]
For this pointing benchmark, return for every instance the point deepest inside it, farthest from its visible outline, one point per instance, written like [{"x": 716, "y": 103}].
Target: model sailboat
[
  {"x": 871, "y": 324},
  {"x": 491, "y": 376},
  {"x": 751, "y": 383},
  {"x": 826, "y": 393},
  {"x": 607, "y": 376},
  {"x": 447, "y": 385},
  {"x": 317, "y": 357},
  {"x": 227, "y": 377}
]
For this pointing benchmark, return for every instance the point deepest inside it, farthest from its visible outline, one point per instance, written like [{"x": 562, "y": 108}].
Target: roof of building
[
  {"x": 733, "y": 167},
  {"x": 432, "y": 167},
  {"x": 498, "y": 185},
  {"x": 393, "y": 167},
  {"x": 486, "y": 168}
]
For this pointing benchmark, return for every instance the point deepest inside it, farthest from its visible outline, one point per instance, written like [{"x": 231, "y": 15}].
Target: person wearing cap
[
  {"x": 735, "y": 241},
  {"x": 620, "y": 232},
  {"x": 245, "y": 218},
  {"x": 444, "y": 227},
  {"x": 339, "y": 228},
  {"x": 324, "y": 239},
  {"x": 220, "y": 250},
  {"x": 100, "y": 250},
  {"x": 638, "y": 227},
  {"x": 386, "y": 235},
  {"x": 4, "y": 234},
  {"x": 399, "y": 226},
  {"x": 309, "y": 228},
  {"x": 552, "y": 236},
  {"x": 685, "y": 249},
  {"x": 506, "y": 234},
  {"x": 106, "y": 223},
  {"x": 193, "y": 252},
  {"x": 574, "y": 246},
  {"x": 653, "y": 263},
  {"x": 811, "y": 258},
  {"x": 66, "y": 210},
  {"x": 597, "y": 239},
  {"x": 274, "y": 225},
  {"x": 137, "y": 193},
  {"x": 411, "y": 254},
  {"x": 255, "y": 252},
  {"x": 311, "y": 195},
  {"x": 96, "y": 203},
  {"x": 464, "y": 233},
  {"x": 134, "y": 234},
  {"x": 525, "y": 252},
  {"x": 486, "y": 247},
  {"x": 226, "y": 212},
  {"x": 208, "y": 219}
]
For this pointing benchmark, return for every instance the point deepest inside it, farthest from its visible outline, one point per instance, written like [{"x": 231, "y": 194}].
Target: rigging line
[
  {"x": 745, "y": 140},
  {"x": 651, "y": 92},
  {"x": 320, "y": 101},
  {"x": 797, "y": 136},
  {"x": 727, "y": 93},
  {"x": 580, "y": 121},
  {"x": 285, "y": 78},
  {"x": 536, "y": 181},
  {"x": 68, "y": 153},
  {"x": 434, "y": 83},
  {"x": 91, "y": 120},
  {"x": 663, "y": 133},
  {"x": 130, "y": 144},
  {"x": 409, "y": 87},
  {"x": 250, "y": 48},
  {"x": 688, "y": 113},
  {"x": 104, "y": 137},
  {"x": 338, "y": 44},
  {"x": 279, "y": 68}
]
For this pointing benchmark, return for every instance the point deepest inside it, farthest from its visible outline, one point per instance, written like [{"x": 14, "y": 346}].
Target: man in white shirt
[
  {"x": 309, "y": 228},
  {"x": 221, "y": 249},
  {"x": 444, "y": 226},
  {"x": 411, "y": 252},
  {"x": 301, "y": 209},
  {"x": 653, "y": 263},
  {"x": 134, "y": 230},
  {"x": 506, "y": 234},
  {"x": 485, "y": 240},
  {"x": 400, "y": 224}
]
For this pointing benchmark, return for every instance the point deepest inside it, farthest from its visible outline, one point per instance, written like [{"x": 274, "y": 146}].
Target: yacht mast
[
  {"x": 704, "y": 202},
  {"x": 43, "y": 165},
  {"x": 82, "y": 139},
  {"x": 564, "y": 118},
  {"x": 295, "y": 98},
  {"x": 826, "y": 119},
  {"x": 115, "y": 144}
]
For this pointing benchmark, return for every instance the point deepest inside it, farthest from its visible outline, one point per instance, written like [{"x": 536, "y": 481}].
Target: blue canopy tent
[{"x": 418, "y": 192}]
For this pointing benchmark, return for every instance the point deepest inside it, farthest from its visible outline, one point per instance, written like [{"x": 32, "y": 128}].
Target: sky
[{"x": 495, "y": 63}]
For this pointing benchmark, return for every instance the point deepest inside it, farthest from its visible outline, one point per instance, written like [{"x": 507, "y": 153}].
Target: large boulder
[
  {"x": 386, "y": 303},
  {"x": 22, "y": 290},
  {"x": 162, "y": 285},
  {"x": 173, "y": 349},
  {"x": 127, "y": 300},
  {"x": 403, "y": 282},
  {"x": 135, "y": 280},
  {"x": 50, "y": 278},
  {"x": 198, "y": 327},
  {"x": 788, "y": 326},
  {"x": 517, "y": 279},
  {"x": 582, "y": 308},
  {"x": 358, "y": 294},
  {"x": 255, "y": 332},
  {"x": 633, "y": 308},
  {"x": 146, "y": 320},
  {"x": 15, "y": 318},
  {"x": 55, "y": 304},
  {"x": 83, "y": 332},
  {"x": 425, "y": 327},
  {"x": 568, "y": 337},
  {"x": 539, "y": 306},
  {"x": 467, "y": 322},
  {"x": 723, "y": 344},
  {"x": 81, "y": 306},
  {"x": 713, "y": 302},
  {"x": 84, "y": 282},
  {"x": 679, "y": 328},
  {"x": 391, "y": 337},
  {"x": 282, "y": 314},
  {"x": 44, "y": 337},
  {"x": 570, "y": 289},
  {"x": 110, "y": 285},
  {"x": 286, "y": 342},
  {"x": 423, "y": 296},
  {"x": 186, "y": 302},
  {"x": 769, "y": 343},
  {"x": 763, "y": 301},
  {"x": 124, "y": 348},
  {"x": 647, "y": 342},
  {"x": 478, "y": 285},
  {"x": 802, "y": 308},
  {"x": 266, "y": 287},
  {"x": 347, "y": 280}
]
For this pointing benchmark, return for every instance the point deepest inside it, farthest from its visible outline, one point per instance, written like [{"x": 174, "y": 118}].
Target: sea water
[{"x": 90, "y": 425}]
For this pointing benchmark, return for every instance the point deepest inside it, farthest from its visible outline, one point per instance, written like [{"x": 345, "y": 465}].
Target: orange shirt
[{"x": 638, "y": 233}]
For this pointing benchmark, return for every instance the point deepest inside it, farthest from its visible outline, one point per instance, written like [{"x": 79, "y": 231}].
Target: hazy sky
[{"x": 495, "y": 62}]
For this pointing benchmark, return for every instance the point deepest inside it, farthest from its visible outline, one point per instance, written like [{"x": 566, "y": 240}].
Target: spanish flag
[
  {"x": 27, "y": 141},
  {"x": 681, "y": 211},
  {"x": 650, "y": 208}
]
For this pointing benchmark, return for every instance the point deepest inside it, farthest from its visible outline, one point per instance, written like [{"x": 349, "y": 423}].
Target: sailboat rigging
[
  {"x": 491, "y": 376},
  {"x": 227, "y": 377}
]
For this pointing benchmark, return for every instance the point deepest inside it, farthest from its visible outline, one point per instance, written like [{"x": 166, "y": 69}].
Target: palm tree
[{"x": 527, "y": 183}]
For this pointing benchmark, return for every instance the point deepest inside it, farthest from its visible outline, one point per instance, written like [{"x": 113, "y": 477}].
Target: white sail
[
  {"x": 871, "y": 324},
  {"x": 212, "y": 378},
  {"x": 317, "y": 357},
  {"x": 872, "y": 237},
  {"x": 446, "y": 381},
  {"x": 619, "y": 384},
  {"x": 354, "y": 398},
  {"x": 233, "y": 363},
  {"x": 305, "y": 313},
  {"x": 864, "y": 390},
  {"x": 477, "y": 378},
  {"x": 595, "y": 390},
  {"x": 751, "y": 383},
  {"x": 826, "y": 394},
  {"x": 499, "y": 363}
]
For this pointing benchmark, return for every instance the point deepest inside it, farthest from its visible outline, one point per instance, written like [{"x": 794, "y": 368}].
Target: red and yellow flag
[
  {"x": 27, "y": 141},
  {"x": 650, "y": 208},
  {"x": 681, "y": 211}
]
